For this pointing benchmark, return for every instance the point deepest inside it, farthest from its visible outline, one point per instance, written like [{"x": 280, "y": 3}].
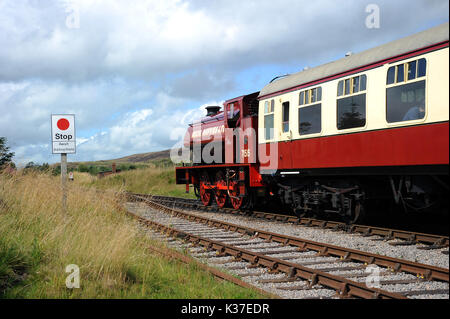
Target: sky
[{"x": 135, "y": 73}]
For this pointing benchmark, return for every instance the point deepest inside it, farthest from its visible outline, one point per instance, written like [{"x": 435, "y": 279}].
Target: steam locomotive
[{"x": 369, "y": 127}]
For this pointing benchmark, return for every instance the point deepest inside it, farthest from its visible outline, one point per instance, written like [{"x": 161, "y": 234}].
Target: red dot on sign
[{"x": 63, "y": 124}]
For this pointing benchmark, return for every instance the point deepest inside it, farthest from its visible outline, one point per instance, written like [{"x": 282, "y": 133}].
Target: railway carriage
[{"x": 370, "y": 126}]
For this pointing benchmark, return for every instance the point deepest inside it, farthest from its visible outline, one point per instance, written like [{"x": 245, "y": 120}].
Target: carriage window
[
  {"x": 310, "y": 96},
  {"x": 313, "y": 96},
  {"x": 340, "y": 88},
  {"x": 309, "y": 119},
  {"x": 268, "y": 125},
  {"x": 309, "y": 116},
  {"x": 422, "y": 70},
  {"x": 356, "y": 85},
  {"x": 352, "y": 85},
  {"x": 401, "y": 73},
  {"x": 285, "y": 123},
  {"x": 347, "y": 86},
  {"x": 412, "y": 70},
  {"x": 268, "y": 106},
  {"x": 405, "y": 102},
  {"x": 391, "y": 75},
  {"x": 301, "y": 98},
  {"x": 363, "y": 79},
  {"x": 351, "y": 112},
  {"x": 268, "y": 119}
]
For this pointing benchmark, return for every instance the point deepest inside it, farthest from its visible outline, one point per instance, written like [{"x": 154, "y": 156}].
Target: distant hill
[{"x": 144, "y": 157}]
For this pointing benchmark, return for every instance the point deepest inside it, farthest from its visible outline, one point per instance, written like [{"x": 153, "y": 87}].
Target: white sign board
[{"x": 63, "y": 133}]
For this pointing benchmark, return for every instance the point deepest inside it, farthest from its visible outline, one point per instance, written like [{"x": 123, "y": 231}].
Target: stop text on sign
[
  {"x": 63, "y": 133},
  {"x": 67, "y": 137}
]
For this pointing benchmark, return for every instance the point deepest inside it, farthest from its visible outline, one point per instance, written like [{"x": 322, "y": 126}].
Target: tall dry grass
[
  {"x": 151, "y": 180},
  {"x": 91, "y": 234},
  {"x": 38, "y": 241}
]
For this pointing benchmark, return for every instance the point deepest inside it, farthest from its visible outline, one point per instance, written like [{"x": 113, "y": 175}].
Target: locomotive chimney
[{"x": 212, "y": 110}]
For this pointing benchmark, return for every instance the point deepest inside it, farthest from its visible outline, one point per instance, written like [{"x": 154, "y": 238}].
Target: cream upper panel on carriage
[{"x": 375, "y": 92}]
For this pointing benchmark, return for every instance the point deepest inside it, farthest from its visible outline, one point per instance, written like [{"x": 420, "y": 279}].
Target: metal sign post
[
  {"x": 64, "y": 182},
  {"x": 63, "y": 142}
]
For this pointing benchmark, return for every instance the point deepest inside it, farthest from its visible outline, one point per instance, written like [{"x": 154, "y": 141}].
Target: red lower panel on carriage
[{"x": 405, "y": 146}]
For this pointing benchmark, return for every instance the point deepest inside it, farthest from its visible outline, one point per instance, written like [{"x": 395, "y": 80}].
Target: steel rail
[
  {"x": 344, "y": 287},
  {"x": 427, "y": 272},
  {"x": 436, "y": 241}
]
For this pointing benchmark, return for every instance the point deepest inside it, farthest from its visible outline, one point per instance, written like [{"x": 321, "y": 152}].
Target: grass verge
[
  {"x": 37, "y": 242},
  {"x": 152, "y": 180}
]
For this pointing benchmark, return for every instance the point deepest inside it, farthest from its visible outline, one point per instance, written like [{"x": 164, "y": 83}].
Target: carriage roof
[{"x": 398, "y": 47}]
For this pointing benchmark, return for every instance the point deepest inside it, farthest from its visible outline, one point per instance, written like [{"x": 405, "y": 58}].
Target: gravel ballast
[
  {"x": 249, "y": 273},
  {"x": 339, "y": 238}
]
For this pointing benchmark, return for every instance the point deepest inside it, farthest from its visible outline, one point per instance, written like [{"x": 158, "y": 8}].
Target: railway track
[
  {"x": 429, "y": 241},
  {"x": 173, "y": 254},
  {"x": 305, "y": 266}
]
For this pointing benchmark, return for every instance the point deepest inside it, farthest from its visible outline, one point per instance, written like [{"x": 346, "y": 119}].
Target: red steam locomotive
[{"x": 371, "y": 126}]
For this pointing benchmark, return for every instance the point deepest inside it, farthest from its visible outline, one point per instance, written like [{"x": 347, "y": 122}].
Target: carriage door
[{"x": 285, "y": 151}]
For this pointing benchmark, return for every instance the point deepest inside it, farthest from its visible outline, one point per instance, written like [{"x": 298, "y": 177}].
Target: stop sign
[{"x": 63, "y": 133}]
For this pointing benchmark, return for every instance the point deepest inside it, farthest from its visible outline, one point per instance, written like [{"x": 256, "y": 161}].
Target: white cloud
[
  {"x": 146, "y": 38},
  {"x": 26, "y": 106},
  {"x": 139, "y": 132},
  {"x": 132, "y": 70}
]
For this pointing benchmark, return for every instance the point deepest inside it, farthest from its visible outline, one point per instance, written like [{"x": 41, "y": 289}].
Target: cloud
[
  {"x": 139, "y": 132},
  {"x": 131, "y": 70},
  {"x": 201, "y": 84},
  {"x": 26, "y": 106},
  {"x": 147, "y": 39}
]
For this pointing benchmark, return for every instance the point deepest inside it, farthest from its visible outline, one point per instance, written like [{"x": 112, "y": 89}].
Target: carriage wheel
[
  {"x": 221, "y": 195},
  {"x": 300, "y": 213},
  {"x": 357, "y": 213},
  {"x": 236, "y": 201},
  {"x": 205, "y": 194}
]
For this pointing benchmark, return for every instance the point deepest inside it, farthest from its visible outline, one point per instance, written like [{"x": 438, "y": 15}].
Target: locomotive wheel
[
  {"x": 205, "y": 194},
  {"x": 236, "y": 201},
  {"x": 221, "y": 195}
]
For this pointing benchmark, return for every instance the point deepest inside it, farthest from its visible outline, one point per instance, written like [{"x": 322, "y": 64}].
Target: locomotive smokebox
[{"x": 212, "y": 110}]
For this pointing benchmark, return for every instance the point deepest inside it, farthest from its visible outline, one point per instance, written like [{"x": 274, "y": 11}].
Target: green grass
[
  {"x": 153, "y": 180},
  {"x": 14, "y": 265},
  {"x": 37, "y": 242}
]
